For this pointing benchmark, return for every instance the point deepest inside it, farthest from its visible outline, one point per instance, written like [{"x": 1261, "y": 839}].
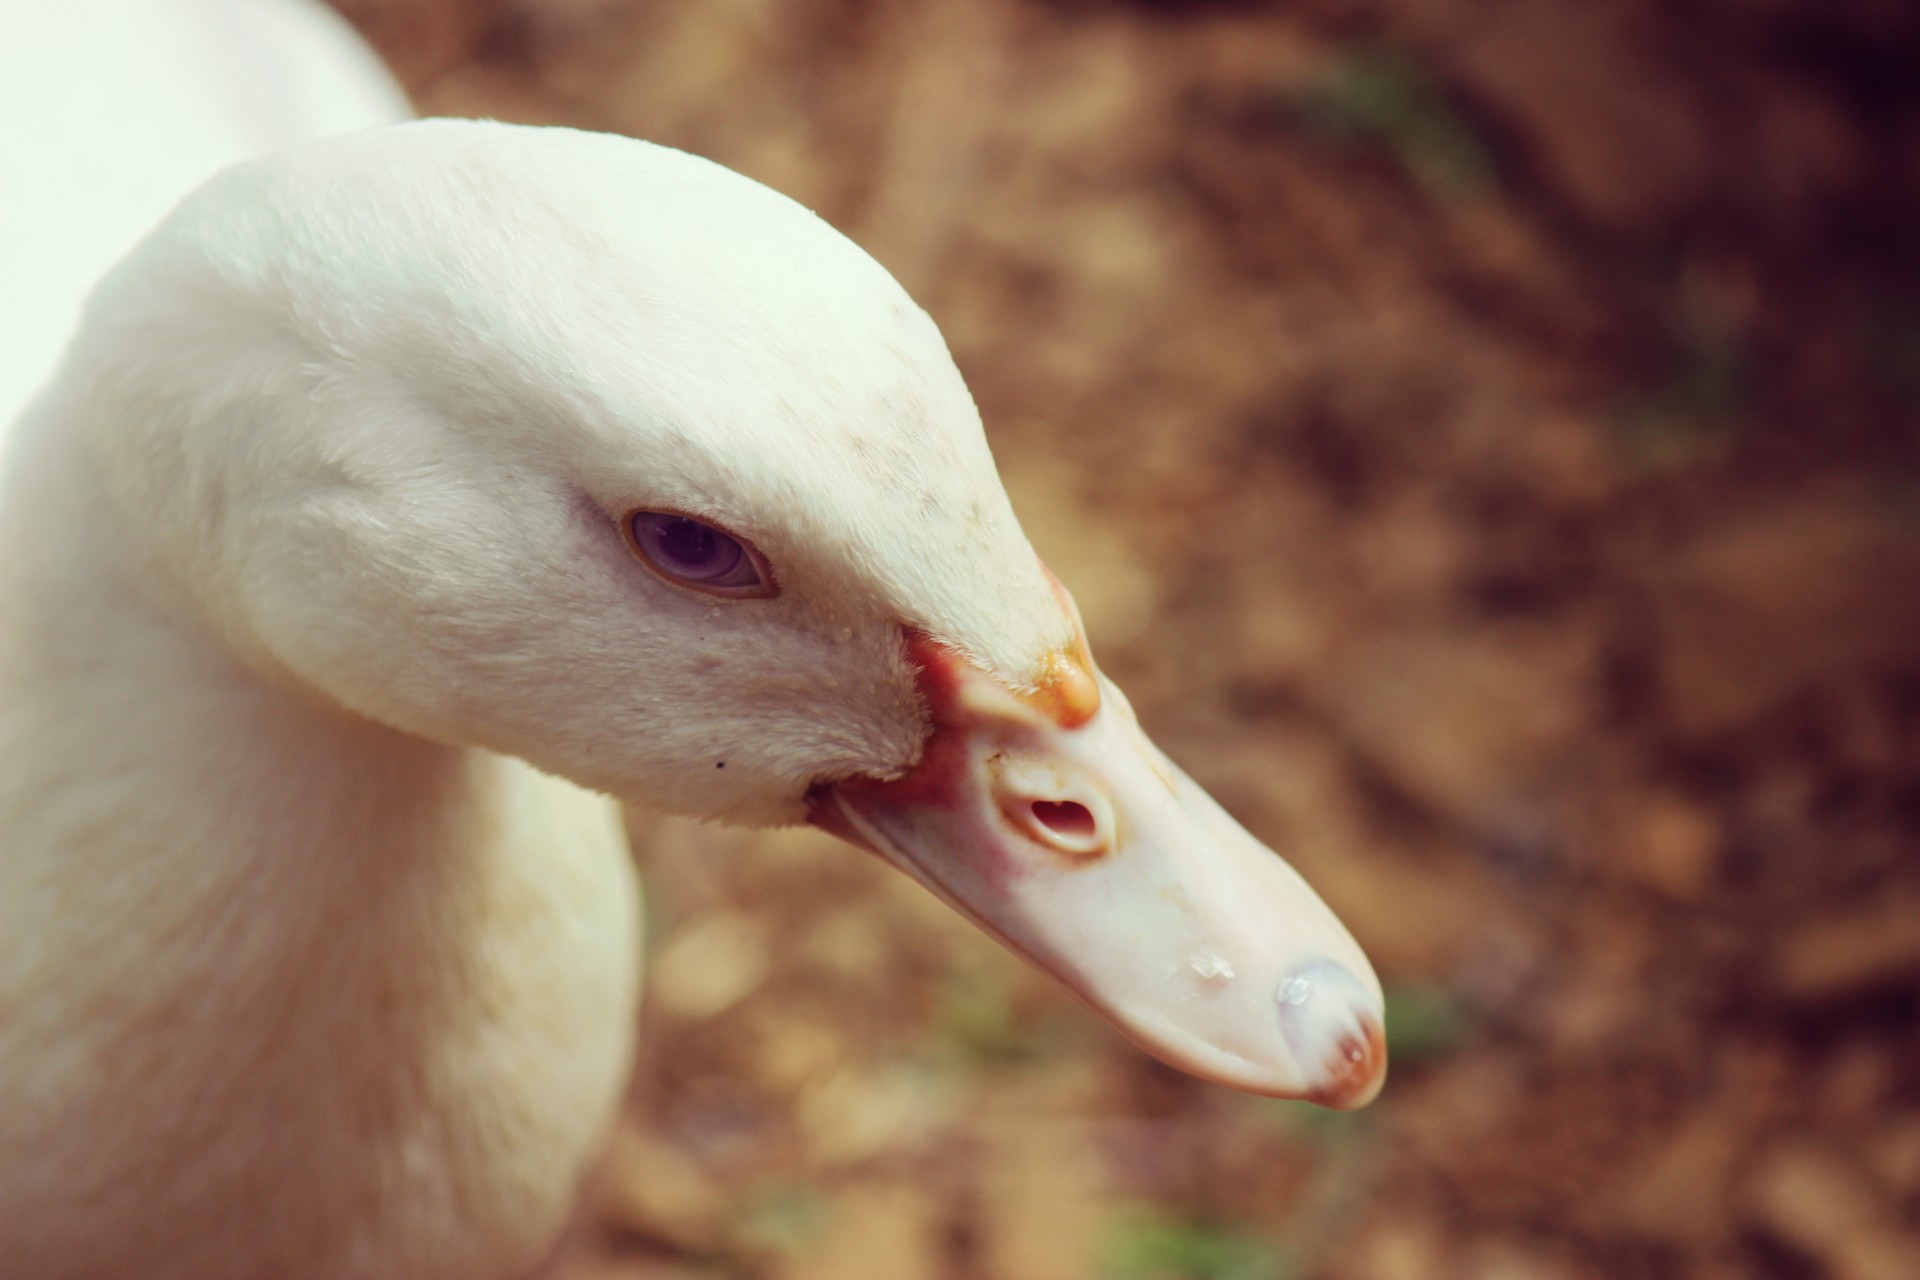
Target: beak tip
[
  {"x": 1332, "y": 1022},
  {"x": 1354, "y": 1072}
]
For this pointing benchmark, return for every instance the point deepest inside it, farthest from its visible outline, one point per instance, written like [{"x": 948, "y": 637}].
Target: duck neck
[
  {"x": 147, "y": 762},
  {"x": 238, "y": 922},
  {"x": 123, "y": 687}
]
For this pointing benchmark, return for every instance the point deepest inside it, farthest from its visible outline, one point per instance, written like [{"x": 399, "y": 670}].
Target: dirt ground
[{"x": 1484, "y": 439}]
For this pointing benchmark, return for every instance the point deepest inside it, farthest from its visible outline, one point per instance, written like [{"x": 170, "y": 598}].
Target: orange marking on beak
[{"x": 1068, "y": 691}]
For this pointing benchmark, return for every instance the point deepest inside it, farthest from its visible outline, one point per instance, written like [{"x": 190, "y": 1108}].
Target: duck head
[{"x": 595, "y": 453}]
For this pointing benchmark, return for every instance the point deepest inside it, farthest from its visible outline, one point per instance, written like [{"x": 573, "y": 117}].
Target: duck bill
[{"x": 1048, "y": 818}]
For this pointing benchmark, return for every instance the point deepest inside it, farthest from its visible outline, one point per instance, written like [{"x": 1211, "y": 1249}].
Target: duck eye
[{"x": 695, "y": 554}]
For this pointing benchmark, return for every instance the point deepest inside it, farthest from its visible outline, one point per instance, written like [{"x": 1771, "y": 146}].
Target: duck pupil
[{"x": 688, "y": 542}]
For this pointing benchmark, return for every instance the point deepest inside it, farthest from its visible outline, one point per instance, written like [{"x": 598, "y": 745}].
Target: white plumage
[{"x": 314, "y": 538}]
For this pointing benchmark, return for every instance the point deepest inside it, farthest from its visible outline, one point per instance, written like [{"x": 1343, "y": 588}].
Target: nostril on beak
[
  {"x": 1068, "y": 819},
  {"x": 1053, "y": 807},
  {"x": 1070, "y": 827}
]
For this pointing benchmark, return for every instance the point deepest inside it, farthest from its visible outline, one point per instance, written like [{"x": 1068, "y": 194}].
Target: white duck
[{"x": 394, "y": 479}]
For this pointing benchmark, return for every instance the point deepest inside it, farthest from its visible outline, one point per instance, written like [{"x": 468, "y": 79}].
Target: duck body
[
  {"x": 115, "y": 109},
  {"x": 329, "y": 638}
]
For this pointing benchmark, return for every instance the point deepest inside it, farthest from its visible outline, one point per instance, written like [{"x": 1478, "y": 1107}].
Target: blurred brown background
[{"x": 1483, "y": 439}]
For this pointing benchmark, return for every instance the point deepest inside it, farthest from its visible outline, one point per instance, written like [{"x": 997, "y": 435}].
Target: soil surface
[{"x": 1484, "y": 439}]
